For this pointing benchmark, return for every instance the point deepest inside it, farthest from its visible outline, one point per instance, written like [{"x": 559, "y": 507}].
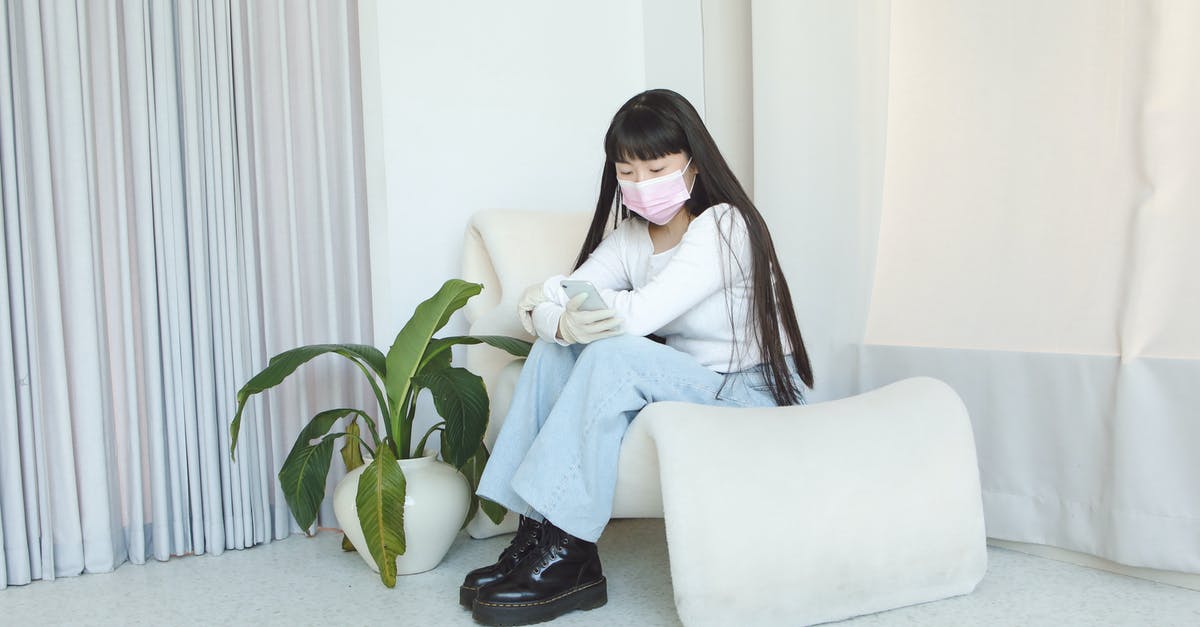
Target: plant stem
[
  {"x": 406, "y": 426},
  {"x": 420, "y": 452},
  {"x": 428, "y": 357},
  {"x": 330, "y": 436},
  {"x": 379, "y": 397},
  {"x": 402, "y": 434},
  {"x": 370, "y": 425}
]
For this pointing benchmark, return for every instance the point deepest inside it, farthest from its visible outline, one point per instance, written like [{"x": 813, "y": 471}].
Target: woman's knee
[
  {"x": 549, "y": 351},
  {"x": 542, "y": 346},
  {"x": 618, "y": 347}
]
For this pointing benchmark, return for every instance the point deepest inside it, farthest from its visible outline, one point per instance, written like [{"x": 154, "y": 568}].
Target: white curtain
[
  {"x": 182, "y": 198},
  {"x": 1030, "y": 241}
]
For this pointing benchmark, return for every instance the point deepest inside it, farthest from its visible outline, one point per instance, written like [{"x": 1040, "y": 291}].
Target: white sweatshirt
[{"x": 679, "y": 294}]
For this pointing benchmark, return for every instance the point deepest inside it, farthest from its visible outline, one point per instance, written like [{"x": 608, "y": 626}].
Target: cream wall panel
[{"x": 1013, "y": 171}]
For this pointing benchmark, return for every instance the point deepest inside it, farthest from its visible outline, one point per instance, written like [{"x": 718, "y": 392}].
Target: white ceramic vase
[{"x": 435, "y": 502}]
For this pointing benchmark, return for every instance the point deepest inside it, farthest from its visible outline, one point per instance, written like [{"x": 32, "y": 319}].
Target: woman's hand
[
  {"x": 533, "y": 296},
  {"x": 581, "y": 327}
]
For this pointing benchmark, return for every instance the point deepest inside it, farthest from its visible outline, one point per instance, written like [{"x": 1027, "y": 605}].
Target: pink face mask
[{"x": 657, "y": 199}]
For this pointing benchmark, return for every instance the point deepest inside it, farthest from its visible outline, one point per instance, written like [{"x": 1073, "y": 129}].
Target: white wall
[
  {"x": 674, "y": 48},
  {"x": 729, "y": 83},
  {"x": 472, "y": 105},
  {"x": 820, "y": 80},
  {"x": 487, "y": 105}
]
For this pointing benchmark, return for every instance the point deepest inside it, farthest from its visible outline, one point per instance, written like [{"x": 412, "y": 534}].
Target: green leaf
[
  {"x": 494, "y": 511},
  {"x": 352, "y": 457},
  {"x": 473, "y": 470},
  {"x": 434, "y": 360},
  {"x": 285, "y": 363},
  {"x": 352, "y": 447},
  {"x": 461, "y": 399},
  {"x": 512, "y": 345},
  {"x": 304, "y": 471},
  {"x": 406, "y": 353},
  {"x": 380, "y": 502}
]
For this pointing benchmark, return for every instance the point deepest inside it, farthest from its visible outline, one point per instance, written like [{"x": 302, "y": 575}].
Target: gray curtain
[{"x": 183, "y": 197}]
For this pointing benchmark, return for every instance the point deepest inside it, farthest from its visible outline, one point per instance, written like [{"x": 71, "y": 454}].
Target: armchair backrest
[{"x": 508, "y": 250}]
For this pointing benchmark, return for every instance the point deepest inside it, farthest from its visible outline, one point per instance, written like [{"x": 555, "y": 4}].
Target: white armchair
[
  {"x": 871, "y": 502},
  {"x": 496, "y": 255}
]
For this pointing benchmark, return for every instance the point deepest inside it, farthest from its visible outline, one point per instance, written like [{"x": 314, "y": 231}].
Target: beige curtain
[{"x": 1039, "y": 201}]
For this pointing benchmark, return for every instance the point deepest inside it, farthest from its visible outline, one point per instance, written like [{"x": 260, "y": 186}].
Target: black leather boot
[
  {"x": 525, "y": 540},
  {"x": 561, "y": 574}
]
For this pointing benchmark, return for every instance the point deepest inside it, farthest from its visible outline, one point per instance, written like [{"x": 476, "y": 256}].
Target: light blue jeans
[{"x": 556, "y": 454}]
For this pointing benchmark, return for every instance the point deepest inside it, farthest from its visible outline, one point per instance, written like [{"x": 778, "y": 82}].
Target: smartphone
[{"x": 575, "y": 288}]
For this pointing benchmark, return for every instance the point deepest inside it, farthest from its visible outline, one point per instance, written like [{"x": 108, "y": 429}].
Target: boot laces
[
  {"x": 527, "y": 537},
  {"x": 551, "y": 543}
]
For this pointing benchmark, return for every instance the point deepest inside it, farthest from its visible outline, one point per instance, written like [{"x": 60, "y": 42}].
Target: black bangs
[{"x": 641, "y": 133}]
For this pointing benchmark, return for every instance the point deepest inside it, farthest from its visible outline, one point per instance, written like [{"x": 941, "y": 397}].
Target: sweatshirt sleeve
[
  {"x": 605, "y": 268},
  {"x": 700, "y": 268}
]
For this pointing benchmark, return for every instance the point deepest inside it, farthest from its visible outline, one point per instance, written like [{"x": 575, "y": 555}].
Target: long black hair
[{"x": 660, "y": 122}]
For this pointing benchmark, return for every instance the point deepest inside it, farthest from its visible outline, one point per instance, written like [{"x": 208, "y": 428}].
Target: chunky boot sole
[
  {"x": 589, "y": 596},
  {"x": 466, "y": 596}
]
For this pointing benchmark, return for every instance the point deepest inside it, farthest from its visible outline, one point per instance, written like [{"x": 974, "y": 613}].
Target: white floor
[{"x": 309, "y": 581}]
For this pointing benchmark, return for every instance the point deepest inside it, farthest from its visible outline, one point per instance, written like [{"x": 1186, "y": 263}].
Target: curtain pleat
[
  {"x": 169, "y": 224},
  {"x": 15, "y": 560}
]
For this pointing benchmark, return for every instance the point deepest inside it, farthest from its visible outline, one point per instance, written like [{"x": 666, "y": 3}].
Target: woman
[{"x": 691, "y": 263}]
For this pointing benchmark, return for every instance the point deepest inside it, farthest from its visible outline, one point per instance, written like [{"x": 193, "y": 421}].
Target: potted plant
[{"x": 416, "y": 361}]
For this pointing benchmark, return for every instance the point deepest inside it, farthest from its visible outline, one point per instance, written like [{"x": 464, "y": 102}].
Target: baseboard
[{"x": 1190, "y": 581}]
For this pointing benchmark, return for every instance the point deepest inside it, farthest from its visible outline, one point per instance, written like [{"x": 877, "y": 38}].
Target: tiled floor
[{"x": 309, "y": 581}]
